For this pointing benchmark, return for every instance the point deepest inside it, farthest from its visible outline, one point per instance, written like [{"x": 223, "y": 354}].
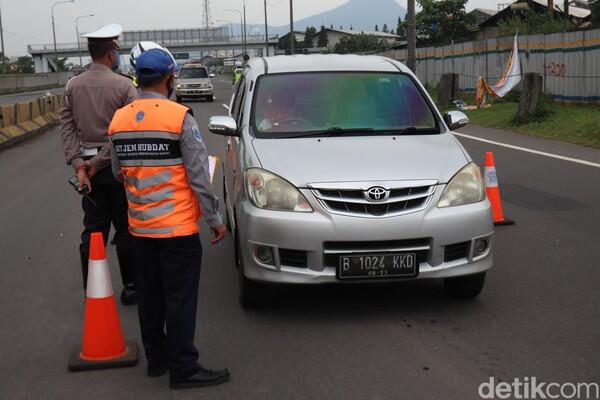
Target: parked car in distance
[
  {"x": 193, "y": 81},
  {"x": 340, "y": 169}
]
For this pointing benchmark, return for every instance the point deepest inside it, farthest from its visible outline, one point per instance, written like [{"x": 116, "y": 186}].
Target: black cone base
[
  {"x": 505, "y": 221},
  {"x": 129, "y": 359}
]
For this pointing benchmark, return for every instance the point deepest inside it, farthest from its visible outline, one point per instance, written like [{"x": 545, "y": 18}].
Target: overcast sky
[{"x": 29, "y": 21}]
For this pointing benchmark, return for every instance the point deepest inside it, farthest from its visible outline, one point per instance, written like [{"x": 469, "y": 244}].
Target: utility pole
[
  {"x": 245, "y": 32},
  {"x": 411, "y": 36},
  {"x": 292, "y": 36},
  {"x": 2, "y": 37},
  {"x": 266, "y": 30}
]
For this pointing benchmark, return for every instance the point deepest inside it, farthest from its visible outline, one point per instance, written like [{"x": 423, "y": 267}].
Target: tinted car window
[
  {"x": 193, "y": 73},
  {"x": 310, "y": 102}
]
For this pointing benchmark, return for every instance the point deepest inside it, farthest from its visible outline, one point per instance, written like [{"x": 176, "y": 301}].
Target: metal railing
[{"x": 175, "y": 42}]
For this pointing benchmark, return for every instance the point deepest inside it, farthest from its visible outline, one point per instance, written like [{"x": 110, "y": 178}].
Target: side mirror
[
  {"x": 456, "y": 119},
  {"x": 225, "y": 126}
]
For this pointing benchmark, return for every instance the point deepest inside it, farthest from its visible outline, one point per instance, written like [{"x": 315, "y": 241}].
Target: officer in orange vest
[{"x": 158, "y": 152}]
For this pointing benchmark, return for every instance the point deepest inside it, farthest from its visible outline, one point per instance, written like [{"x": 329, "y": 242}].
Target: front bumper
[
  {"x": 311, "y": 233},
  {"x": 196, "y": 92}
]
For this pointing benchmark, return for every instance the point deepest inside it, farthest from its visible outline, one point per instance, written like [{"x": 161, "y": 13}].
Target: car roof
[{"x": 324, "y": 62}]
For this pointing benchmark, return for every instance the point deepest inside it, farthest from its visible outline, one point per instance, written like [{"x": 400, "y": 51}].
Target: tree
[
  {"x": 443, "y": 21},
  {"x": 311, "y": 31},
  {"x": 595, "y": 7},
  {"x": 360, "y": 43},
  {"x": 401, "y": 28},
  {"x": 529, "y": 22},
  {"x": 376, "y": 28},
  {"x": 4, "y": 64},
  {"x": 25, "y": 65},
  {"x": 385, "y": 29},
  {"x": 322, "y": 39},
  {"x": 285, "y": 42}
]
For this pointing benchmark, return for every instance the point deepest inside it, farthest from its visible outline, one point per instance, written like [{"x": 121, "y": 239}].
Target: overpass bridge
[{"x": 181, "y": 40}]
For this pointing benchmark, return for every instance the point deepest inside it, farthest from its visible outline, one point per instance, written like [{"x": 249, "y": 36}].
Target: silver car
[
  {"x": 340, "y": 169},
  {"x": 193, "y": 81}
]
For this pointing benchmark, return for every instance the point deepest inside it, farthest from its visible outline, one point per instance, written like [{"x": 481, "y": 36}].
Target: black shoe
[
  {"x": 128, "y": 295},
  {"x": 204, "y": 377},
  {"x": 156, "y": 370}
]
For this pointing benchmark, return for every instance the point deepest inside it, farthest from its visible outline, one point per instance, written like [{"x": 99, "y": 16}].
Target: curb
[{"x": 26, "y": 136}]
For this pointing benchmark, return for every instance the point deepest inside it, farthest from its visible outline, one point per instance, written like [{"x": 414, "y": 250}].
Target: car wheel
[
  {"x": 251, "y": 294},
  {"x": 465, "y": 287},
  {"x": 210, "y": 98},
  {"x": 178, "y": 98}
]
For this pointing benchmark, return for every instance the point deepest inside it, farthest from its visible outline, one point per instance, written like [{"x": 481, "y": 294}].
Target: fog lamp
[
  {"x": 481, "y": 245},
  {"x": 265, "y": 255}
]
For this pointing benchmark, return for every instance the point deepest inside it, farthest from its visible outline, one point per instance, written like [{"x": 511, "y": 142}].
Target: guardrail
[{"x": 22, "y": 120}]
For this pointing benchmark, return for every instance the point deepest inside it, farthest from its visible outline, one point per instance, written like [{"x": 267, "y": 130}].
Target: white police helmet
[{"x": 141, "y": 47}]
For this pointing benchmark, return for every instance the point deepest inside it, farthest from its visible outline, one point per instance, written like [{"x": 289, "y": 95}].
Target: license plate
[{"x": 378, "y": 266}]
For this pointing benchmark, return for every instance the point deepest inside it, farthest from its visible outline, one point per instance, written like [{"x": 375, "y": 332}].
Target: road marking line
[
  {"x": 226, "y": 106},
  {"x": 525, "y": 149}
]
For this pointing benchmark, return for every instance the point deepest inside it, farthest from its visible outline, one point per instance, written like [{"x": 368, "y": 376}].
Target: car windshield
[
  {"x": 192, "y": 73},
  {"x": 328, "y": 103}
]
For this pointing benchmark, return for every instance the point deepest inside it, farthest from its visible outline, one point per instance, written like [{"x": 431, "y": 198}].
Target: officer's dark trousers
[
  {"x": 110, "y": 206},
  {"x": 167, "y": 275}
]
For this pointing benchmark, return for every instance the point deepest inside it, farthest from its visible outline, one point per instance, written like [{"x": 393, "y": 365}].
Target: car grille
[
  {"x": 456, "y": 251},
  {"x": 195, "y": 85},
  {"x": 355, "y": 202},
  {"x": 293, "y": 258},
  {"x": 333, "y": 250}
]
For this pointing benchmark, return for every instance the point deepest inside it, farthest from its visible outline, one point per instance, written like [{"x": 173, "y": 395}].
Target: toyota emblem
[{"x": 377, "y": 194}]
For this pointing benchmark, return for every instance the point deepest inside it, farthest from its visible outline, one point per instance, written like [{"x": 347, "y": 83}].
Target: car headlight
[
  {"x": 179, "y": 86},
  {"x": 269, "y": 191},
  {"x": 465, "y": 187}
]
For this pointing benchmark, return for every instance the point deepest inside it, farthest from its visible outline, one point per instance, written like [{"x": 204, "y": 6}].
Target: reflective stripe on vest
[{"x": 146, "y": 138}]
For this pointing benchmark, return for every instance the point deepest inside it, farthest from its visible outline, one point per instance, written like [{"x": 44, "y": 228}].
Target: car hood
[{"x": 306, "y": 161}]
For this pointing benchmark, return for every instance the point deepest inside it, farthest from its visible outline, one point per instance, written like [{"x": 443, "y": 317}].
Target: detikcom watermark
[{"x": 530, "y": 388}]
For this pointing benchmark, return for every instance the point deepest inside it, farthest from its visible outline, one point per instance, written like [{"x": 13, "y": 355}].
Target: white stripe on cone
[
  {"x": 99, "y": 284},
  {"x": 490, "y": 177}
]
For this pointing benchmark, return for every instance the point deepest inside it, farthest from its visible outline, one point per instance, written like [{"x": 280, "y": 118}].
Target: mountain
[{"x": 358, "y": 14}]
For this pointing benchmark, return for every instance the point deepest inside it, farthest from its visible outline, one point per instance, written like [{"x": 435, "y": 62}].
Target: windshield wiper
[
  {"x": 333, "y": 131},
  {"x": 410, "y": 130}
]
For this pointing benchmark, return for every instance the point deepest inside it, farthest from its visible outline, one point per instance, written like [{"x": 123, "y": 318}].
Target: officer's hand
[
  {"x": 84, "y": 179},
  {"x": 91, "y": 169},
  {"x": 218, "y": 233}
]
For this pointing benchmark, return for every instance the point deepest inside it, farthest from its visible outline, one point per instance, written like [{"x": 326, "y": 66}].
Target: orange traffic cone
[
  {"x": 103, "y": 345},
  {"x": 493, "y": 191}
]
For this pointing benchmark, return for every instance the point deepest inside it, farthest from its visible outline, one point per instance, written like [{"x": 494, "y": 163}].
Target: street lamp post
[
  {"x": 54, "y": 30},
  {"x": 242, "y": 25},
  {"x": 292, "y": 36},
  {"x": 77, "y": 33}
]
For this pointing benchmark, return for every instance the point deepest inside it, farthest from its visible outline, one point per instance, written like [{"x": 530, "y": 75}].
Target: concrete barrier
[
  {"x": 14, "y": 83},
  {"x": 23, "y": 120}
]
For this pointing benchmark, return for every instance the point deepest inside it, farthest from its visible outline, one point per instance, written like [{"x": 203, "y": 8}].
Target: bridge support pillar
[{"x": 41, "y": 63}]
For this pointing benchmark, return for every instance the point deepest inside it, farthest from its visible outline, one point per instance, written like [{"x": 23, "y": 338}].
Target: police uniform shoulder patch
[{"x": 196, "y": 133}]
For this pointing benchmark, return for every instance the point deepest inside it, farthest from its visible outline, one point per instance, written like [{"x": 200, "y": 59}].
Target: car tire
[
  {"x": 210, "y": 98},
  {"x": 178, "y": 99},
  {"x": 251, "y": 294},
  {"x": 465, "y": 287}
]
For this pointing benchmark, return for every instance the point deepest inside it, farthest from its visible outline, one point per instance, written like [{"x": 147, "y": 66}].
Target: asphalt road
[
  {"x": 26, "y": 96},
  {"x": 539, "y": 314}
]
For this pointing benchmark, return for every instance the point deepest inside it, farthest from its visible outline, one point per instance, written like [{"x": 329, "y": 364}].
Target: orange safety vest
[{"x": 145, "y": 136}]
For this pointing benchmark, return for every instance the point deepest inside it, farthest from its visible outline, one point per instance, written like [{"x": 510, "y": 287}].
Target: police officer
[
  {"x": 159, "y": 154},
  {"x": 89, "y": 103}
]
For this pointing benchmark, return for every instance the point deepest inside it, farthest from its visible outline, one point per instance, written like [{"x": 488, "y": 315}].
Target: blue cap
[{"x": 154, "y": 63}]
